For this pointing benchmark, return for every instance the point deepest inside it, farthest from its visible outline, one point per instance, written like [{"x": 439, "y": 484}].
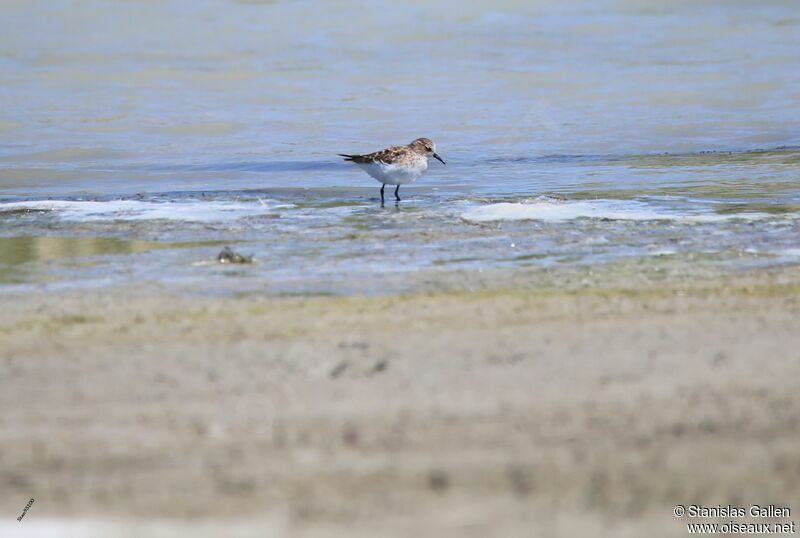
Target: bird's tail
[{"x": 352, "y": 158}]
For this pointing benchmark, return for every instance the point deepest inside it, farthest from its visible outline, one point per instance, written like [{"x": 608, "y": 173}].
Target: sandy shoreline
[{"x": 492, "y": 412}]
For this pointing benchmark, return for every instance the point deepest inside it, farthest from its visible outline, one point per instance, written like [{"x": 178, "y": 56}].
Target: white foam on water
[
  {"x": 193, "y": 211},
  {"x": 549, "y": 210}
]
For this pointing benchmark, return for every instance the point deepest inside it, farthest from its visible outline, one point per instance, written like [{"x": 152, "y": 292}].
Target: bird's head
[{"x": 425, "y": 146}]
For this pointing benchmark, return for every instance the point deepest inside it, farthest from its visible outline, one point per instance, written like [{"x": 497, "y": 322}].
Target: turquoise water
[{"x": 576, "y": 134}]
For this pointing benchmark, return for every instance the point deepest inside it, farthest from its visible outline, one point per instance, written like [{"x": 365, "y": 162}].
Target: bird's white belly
[{"x": 395, "y": 174}]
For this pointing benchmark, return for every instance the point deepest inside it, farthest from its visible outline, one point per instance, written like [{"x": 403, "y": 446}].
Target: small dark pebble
[
  {"x": 438, "y": 480},
  {"x": 708, "y": 425},
  {"x": 678, "y": 429},
  {"x": 227, "y": 255},
  {"x": 350, "y": 436},
  {"x": 520, "y": 481},
  {"x": 339, "y": 369}
]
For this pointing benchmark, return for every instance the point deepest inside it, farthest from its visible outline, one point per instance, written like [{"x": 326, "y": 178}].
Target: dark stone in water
[{"x": 229, "y": 256}]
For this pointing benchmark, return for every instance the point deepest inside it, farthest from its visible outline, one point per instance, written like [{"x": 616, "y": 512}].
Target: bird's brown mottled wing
[{"x": 388, "y": 155}]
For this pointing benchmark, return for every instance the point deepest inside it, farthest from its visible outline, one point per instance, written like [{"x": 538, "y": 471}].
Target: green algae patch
[{"x": 17, "y": 252}]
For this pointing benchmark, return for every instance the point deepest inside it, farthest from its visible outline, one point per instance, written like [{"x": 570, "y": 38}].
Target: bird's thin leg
[
  {"x": 396, "y": 195},
  {"x": 382, "y": 187}
]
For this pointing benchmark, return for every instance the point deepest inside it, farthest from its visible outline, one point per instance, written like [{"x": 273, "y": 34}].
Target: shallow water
[{"x": 576, "y": 134}]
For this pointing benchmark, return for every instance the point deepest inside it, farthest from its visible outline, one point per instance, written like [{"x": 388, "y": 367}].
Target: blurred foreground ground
[{"x": 486, "y": 413}]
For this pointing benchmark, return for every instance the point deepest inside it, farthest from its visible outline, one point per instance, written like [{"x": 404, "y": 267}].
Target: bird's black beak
[{"x": 436, "y": 156}]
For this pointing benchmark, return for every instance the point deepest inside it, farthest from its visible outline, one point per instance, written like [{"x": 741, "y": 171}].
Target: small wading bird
[{"x": 397, "y": 165}]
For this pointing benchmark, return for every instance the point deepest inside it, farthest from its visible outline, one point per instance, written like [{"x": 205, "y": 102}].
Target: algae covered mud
[{"x": 577, "y": 134}]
